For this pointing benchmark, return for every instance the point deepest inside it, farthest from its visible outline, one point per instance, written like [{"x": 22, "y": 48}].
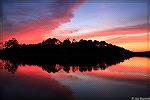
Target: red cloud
[
  {"x": 117, "y": 35},
  {"x": 116, "y": 31},
  {"x": 31, "y": 31}
]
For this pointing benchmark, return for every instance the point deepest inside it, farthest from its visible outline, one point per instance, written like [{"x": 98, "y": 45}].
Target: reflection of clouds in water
[
  {"x": 136, "y": 66},
  {"x": 32, "y": 86},
  {"x": 122, "y": 69},
  {"x": 137, "y": 61},
  {"x": 92, "y": 86},
  {"x": 127, "y": 73},
  {"x": 92, "y": 83},
  {"x": 65, "y": 76}
]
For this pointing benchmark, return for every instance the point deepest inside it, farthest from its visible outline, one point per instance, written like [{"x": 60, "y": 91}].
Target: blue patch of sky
[
  {"x": 23, "y": 12},
  {"x": 89, "y": 15},
  {"x": 108, "y": 15}
]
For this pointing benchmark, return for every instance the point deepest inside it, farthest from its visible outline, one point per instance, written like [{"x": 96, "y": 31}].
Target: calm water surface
[{"x": 121, "y": 81}]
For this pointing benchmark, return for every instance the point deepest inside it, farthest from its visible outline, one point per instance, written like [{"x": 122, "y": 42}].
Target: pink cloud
[
  {"x": 116, "y": 31},
  {"x": 31, "y": 31}
]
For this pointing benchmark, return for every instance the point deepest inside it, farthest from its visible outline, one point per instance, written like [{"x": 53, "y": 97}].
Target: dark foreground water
[{"x": 126, "y": 80}]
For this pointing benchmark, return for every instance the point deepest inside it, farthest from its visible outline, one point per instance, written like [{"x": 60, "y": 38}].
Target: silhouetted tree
[
  {"x": 67, "y": 51},
  {"x": 74, "y": 41},
  {"x": 66, "y": 42},
  {"x": 49, "y": 53},
  {"x": 51, "y": 41},
  {"x": 11, "y": 43}
]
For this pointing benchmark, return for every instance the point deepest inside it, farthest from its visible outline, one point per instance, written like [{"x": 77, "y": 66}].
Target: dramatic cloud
[
  {"x": 31, "y": 20},
  {"x": 120, "y": 32},
  {"x": 134, "y": 38},
  {"x": 60, "y": 33}
]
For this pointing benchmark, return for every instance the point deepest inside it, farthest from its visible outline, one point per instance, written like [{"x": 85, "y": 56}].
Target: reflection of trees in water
[
  {"x": 87, "y": 54},
  {"x": 12, "y": 66},
  {"x": 1, "y": 64},
  {"x": 51, "y": 68}
]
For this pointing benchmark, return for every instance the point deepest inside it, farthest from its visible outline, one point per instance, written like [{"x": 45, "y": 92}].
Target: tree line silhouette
[
  {"x": 67, "y": 48},
  {"x": 86, "y": 54}
]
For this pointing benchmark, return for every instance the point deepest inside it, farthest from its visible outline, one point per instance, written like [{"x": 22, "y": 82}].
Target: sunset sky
[{"x": 120, "y": 22}]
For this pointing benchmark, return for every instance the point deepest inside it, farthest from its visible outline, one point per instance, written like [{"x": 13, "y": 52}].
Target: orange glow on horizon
[
  {"x": 133, "y": 69},
  {"x": 136, "y": 46},
  {"x": 134, "y": 39}
]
